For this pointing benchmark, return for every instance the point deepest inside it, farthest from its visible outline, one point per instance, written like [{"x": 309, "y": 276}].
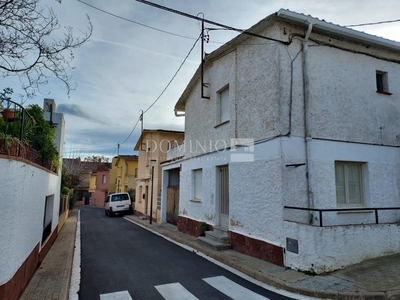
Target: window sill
[
  {"x": 223, "y": 123},
  {"x": 196, "y": 200},
  {"x": 384, "y": 93}
]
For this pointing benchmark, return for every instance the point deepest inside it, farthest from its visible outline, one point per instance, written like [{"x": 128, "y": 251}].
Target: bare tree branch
[{"x": 31, "y": 47}]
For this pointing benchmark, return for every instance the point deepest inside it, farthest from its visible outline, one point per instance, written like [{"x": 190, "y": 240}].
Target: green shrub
[{"x": 202, "y": 228}]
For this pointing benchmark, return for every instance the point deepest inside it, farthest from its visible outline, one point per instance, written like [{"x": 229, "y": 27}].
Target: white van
[{"x": 117, "y": 203}]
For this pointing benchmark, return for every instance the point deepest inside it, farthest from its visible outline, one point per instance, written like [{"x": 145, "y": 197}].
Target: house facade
[
  {"x": 99, "y": 184},
  {"x": 152, "y": 147},
  {"x": 123, "y": 173},
  {"x": 294, "y": 148},
  {"x": 31, "y": 213},
  {"x": 86, "y": 173}
]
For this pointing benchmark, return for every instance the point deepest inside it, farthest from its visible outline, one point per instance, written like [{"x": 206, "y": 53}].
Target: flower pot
[{"x": 8, "y": 114}]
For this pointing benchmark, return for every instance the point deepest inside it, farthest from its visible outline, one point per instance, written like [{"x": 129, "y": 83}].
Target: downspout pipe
[{"x": 307, "y": 118}]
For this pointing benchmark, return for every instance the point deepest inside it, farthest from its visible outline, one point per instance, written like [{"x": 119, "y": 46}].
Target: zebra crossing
[{"x": 174, "y": 291}]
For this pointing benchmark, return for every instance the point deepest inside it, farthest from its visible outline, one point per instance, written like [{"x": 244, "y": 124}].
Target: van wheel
[{"x": 110, "y": 214}]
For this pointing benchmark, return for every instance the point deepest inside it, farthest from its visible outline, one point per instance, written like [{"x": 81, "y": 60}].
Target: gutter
[{"x": 339, "y": 30}]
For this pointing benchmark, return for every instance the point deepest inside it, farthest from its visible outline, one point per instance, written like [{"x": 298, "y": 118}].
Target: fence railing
[
  {"x": 14, "y": 120},
  {"x": 321, "y": 211}
]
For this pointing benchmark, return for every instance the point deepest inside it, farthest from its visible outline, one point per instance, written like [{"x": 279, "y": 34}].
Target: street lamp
[{"x": 152, "y": 187}]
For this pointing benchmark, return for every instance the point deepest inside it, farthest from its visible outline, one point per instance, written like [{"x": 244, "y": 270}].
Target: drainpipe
[
  {"x": 307, "y": 118},
  {"x": 178, "y": 115}
]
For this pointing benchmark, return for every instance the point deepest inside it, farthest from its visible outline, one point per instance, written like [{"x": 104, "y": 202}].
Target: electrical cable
[
  {"x": 137, "y": 23},
  {"x": 173, "y": 77},
  {"x": 373, "y": 23},
  {"x": 209, "y": 21},
  {"x": 134, "y": 127}
]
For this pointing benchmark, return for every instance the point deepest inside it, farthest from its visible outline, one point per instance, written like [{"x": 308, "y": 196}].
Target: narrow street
[{"x": 121, "y": 260}]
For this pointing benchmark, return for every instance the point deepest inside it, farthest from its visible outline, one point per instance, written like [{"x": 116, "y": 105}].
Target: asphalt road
[{"x": 120, "y": 256}]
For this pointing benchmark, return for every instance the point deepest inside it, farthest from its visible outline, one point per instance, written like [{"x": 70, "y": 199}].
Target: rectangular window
[
  {"x": 223, "y": 106},
  {"x": 349, "y": 188},
  {"x": 104, "y": 179},
  {"x": 197, "y": 184},
  {"x": 382, "y": 82}
]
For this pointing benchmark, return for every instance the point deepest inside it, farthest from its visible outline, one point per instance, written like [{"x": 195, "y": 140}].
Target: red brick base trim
[
  {"x": 12, "y": 289},
  {"x": 190, "y": 226},
  {"x": 256, "y": 248},
  {"x": 47, "y": 245}
]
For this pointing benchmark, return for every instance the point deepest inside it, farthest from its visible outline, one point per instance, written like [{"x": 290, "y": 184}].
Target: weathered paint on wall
[{"x": 349, "y": 121}]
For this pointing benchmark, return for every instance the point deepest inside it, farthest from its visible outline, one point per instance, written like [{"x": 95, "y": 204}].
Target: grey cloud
[{"x": 77, "y": 111}]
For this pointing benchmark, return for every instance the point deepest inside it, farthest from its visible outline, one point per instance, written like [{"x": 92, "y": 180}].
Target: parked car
[{"x": 118, "y": 203}]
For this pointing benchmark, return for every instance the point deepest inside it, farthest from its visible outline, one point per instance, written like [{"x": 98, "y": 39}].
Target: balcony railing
[
  {"x": 14, "y": 123},
  {"x": 363, "y": 209}
]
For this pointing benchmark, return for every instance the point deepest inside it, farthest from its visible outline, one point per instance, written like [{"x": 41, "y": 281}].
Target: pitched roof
[
  {"x": 76, "y": 166},
  {"x": 155, "y": 130},
  {"x": 129, "y": 157},
  {"x": 297, "y": 19}
]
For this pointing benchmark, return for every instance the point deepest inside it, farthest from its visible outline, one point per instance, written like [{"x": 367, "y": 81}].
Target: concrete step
[
  {"x": 213, "y": 244},
  {"x": 220, "y": 229},
  {"x": 218, "y": 236}
]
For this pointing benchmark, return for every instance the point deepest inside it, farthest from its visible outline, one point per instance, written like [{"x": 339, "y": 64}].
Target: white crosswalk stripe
[
  {"x": 232, "y": 289},
  {"x": 124, "y": 295},
  {"x": 173, "y": 291}
]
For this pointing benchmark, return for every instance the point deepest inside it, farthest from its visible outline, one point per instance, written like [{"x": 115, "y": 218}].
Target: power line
[
  {"x": 134, "y": 127},
  {"x": 144, "y": 25},
  {"x": 209, "y": 21},
  {"x": 173, "y": 77},
  {"x": 373, "y": 23},
  {"x": 137, "y": 23},
  {"x": 94, "y": 147}
]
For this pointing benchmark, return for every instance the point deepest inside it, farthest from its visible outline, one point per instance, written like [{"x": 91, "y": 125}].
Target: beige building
[
  {"x": 123, "y": 173},
  {"x": 152, "y": 147}
]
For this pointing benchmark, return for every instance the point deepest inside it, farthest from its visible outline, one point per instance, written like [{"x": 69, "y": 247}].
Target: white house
[
  {"x": 306, "y": 120},
  {"x": 29, "y": 216}
]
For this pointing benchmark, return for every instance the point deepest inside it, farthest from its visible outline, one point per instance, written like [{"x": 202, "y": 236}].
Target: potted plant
[
  {"x": 7, "y": 113},
  {"x": 9, "y": 144}
]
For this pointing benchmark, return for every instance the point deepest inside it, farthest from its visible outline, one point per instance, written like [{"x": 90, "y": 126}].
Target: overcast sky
[{"x": 124, "y": 67}]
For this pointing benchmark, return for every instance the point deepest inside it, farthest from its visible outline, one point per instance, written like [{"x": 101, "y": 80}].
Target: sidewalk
[
  {"x": 52, "y": 279},
  {"x": 374, "y": 279}
]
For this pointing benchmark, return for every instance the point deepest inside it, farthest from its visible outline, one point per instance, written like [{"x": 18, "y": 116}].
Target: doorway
[{"x": 223, "y": 195}]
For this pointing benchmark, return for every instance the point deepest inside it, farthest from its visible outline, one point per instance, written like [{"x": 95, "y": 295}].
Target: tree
[{"x": 31, "y": 46}]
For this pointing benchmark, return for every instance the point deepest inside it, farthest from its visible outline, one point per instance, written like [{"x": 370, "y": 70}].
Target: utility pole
[
  {"x": 118, "y": 149},
  {"x": 151, "y": 197}
]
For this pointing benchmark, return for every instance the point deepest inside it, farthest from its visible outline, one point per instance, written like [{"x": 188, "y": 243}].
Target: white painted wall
[
  {"x": 330, "y": 248},
  {"x": 22, "y": 211}
]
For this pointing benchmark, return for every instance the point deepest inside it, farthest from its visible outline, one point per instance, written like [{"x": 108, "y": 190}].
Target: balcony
[{"x": 18, "y": 134}]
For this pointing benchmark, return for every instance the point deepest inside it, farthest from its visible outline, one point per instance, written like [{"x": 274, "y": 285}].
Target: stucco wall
[
  {"x": 331, "y": 248},
  {"x": 22, "y": 211},
  {"x": 344, "y": 106},
  {"x": 343, "y": 98}
]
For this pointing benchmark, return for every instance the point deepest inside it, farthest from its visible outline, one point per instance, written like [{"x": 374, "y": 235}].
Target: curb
[
  {"x": 76, "y": 263},
  {"x": 274, "y": 282}
]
